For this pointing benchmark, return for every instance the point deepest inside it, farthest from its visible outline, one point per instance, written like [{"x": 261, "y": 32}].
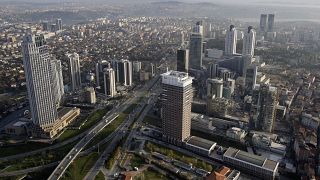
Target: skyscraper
[
  {"x": 58, "y": 80},
  {"x": 136, "y": 66},
  {"x": 198, "y": 28},
  {"x": 264, "y": 102},
  {"x": 153, "y": 69},
  {"x": 183, "y": 60},
  {"x": 213, "y": 70},
  {"x": 176, "y": 106},
  {"x": 109, "y": 82},
  {"x": 100, "y": 66},
  {"x": 251, "y": 79},
  {"x": 271, "y": 22},
  {"x": 231, "y": 41},
  {"x": 40, "y": 82},
  {"x": 195, "y": 51},
  {"x": 214, "y": 88},
  {"x": 59, "y": 24},
  {"x": 249, "y": 41},
  {"x": 125, "y": 72},
  {"x": 263, "y": 23},
  {"x": 74, "y": 68}
]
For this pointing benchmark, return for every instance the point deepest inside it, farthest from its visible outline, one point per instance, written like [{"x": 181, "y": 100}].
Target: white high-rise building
[
  {"x": 136, "y": 66},
  {"x": 231, "y": 41},
  {"x": 109, "y": 82},
  {"x": 249, "y": 41},
  {"x": 100, "y": 66},
  {"x": 176, "y": 106},
  {"x": 74, "y": 67},
  {"x": 58, "y": 81},
  {"x": 40, "y": 81}
]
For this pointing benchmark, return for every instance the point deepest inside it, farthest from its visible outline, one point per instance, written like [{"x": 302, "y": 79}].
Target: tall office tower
[
  {"x": 263, "y": 108},
  {"x": 59, "y": 24},
  {"x": 214, "y": 88},
  {"x": 271, "y": 22},
  {"x": 176, "y": 106},
  {"x": 109, "y": 82},
  {"x": 74, "y": 68},
  {"x": 263, "y": 23},
  {"x": 231, "y": 41},
  {"x": 45, "y": 26},
  {"x": 224, "y": 73},
  {"x": 100, "y": 66},
  {"x": 198, "y": 28},
  {"x": 249, "y": 41},
  {"x": 115, "y": 66},
  {"x": 195, "y": 51},
  {"x": 58, "y": 80},
  {"x": 183, "y": 60},
  {"x": 136, "y": 66},
  {"x": 251, "y": 79},
  {"x": 40, "y": 82},
  {"x": 213, "y": 70},
  {"x": 125, "y": 72}
]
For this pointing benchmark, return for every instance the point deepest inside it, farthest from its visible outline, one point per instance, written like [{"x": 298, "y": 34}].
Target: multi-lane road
[{"x": 64, "y": 164}]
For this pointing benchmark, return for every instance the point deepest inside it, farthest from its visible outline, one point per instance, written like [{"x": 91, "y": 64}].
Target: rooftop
[
  {"x": 176, "y": 78},
  {"x": 251, "y": 158},
  {"x": 200, "y": 142}
]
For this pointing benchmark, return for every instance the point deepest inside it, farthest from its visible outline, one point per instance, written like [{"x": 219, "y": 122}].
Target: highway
[
  {"x": 74, "y": 152},
  {"x": 120, "y": 134}
]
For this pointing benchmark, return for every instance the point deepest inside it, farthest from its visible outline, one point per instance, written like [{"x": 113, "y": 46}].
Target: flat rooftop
[
  {"x": 251, "y": 159},
  {"x": 200, "y": 142},
  {"x": 176, "y": 78},
  {"x": 63, "y": 111}
]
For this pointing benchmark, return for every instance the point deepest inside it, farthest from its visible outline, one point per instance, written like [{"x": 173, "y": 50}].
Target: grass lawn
[
  {"x": 99, "y": 176},
  {"x": 151, "y": 147},
  {"x": 80, "y": 167},
  {"x": 150, "y": 174},
  {"x": 22, "y": 148},
  {"x": 43, "y": 158},
  {"x": 92, "y": 119},
  {"x": 219, "y": 140}
]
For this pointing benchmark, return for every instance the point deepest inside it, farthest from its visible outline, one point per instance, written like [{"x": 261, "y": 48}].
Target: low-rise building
[
  {"x": 224, "y": 173},
  {"x": 258, "y": 166},
  {"x": 236, "y": 133},
  {"x": 309, "y": 121},
  {"x": 200, "y": 145}
]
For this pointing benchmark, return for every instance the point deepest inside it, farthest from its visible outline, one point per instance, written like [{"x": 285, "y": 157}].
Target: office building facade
[
  {"x": 183, "y": 60},
  {"x": 263, "y": 110},
  {"x": 231, "y": 41},
  {"x": 249, "y": 42},
  {"x": 195, "y": 51},
  {"x": 271, "y": 22},
  {"x": 176, "y": 106},
  {"x": 125, "y": 72},
  {"x": 40, "y": 81},
  {"x": 214, "y": 88},
  {"x": 74, "y": 68},
  {"x": 109, "y": 82},
  {"x": 250, "y": 79},
  {"x": 263, "y": 23}
]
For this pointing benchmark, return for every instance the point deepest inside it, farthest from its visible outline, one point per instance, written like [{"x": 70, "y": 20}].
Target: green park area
[
  {"x": 99, "y": 176},
  {"x": 80, "y": 167},
  {"x": 43, "y": 158},
  {"x": 152, "y": 147},
  {"x": 150, "y": 174}
]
